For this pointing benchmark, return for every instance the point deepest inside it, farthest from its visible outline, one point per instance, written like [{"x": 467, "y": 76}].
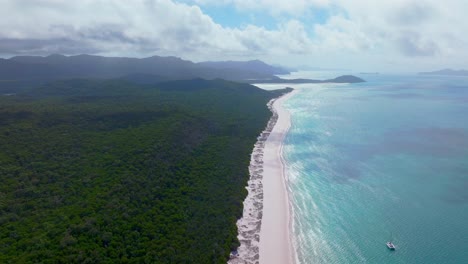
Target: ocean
[{"x": 378, "y": 161}]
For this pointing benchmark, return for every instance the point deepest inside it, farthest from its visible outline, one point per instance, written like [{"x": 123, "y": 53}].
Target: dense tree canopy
[{"x": 109, "y": 171}]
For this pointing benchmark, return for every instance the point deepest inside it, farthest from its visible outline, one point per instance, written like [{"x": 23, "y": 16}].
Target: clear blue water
[{"x": 378, "y": 161}]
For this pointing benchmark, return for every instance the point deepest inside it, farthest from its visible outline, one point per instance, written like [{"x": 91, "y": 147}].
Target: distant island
[
  {"x": 447, "y": 72},
  {"x": 340, "y": 79}
]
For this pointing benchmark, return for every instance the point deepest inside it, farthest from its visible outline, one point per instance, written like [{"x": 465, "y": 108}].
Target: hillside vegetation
[{"x": 114, "y": 172}]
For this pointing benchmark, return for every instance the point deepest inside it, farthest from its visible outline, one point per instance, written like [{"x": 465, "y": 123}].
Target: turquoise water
[{"x": 378, "y": 161}]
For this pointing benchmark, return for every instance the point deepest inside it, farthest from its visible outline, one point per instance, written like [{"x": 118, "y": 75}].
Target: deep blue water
[{"x": 378, "y": 161}]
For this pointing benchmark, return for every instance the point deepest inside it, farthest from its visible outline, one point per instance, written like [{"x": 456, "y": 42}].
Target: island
[{"x": 447, "y": 72}]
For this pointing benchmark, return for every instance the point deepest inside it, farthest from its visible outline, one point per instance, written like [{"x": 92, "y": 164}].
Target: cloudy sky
[{"x": 365, "y": 35}]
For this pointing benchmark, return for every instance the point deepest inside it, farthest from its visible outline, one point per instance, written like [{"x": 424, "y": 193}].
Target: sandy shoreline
[
  {"x": 275, "y": 245},
  {"x": 264, "y": 227}
]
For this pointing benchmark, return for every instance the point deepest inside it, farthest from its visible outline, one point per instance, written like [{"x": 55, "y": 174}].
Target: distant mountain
[
  {"x": 60, "y": 66},
  {"x": 448, "y": 72},
  {"x": 253, "y": 65},
  {"x": 340, "y": 79},
  {"x": 23, "y": 71}
]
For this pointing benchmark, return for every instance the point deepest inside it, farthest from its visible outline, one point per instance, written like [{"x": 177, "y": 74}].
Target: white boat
[{"x": 390, "y": 245}]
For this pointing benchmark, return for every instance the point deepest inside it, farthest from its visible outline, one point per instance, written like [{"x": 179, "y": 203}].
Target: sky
[{"x": 362, "y": 35}]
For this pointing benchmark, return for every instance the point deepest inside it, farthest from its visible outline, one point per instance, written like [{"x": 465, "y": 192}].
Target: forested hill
[
  {"x": 114, "y": 172},
  {"x": 21, "y": 72}
]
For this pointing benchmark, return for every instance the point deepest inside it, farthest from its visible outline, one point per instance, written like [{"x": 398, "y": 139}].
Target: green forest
[{"x": 107, "y": 171}]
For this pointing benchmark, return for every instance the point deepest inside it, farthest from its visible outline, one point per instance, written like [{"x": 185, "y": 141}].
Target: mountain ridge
[{"x": 169, "y": 66}]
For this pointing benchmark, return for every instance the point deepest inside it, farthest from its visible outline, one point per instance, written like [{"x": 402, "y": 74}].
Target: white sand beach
[
  {"x": 275, "y": 245},
  {"x": 264, "y": 226}
]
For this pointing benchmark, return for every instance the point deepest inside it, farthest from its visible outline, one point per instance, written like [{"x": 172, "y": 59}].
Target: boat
[{"x": 390, "y": 245}]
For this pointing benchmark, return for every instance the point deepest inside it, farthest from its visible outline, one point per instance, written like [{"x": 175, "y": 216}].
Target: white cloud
[
  {"x": 137, "y": 28},
  {"x": 363, "y": 32},
  {"x": 400, "y": 32},
  {"x": 405, "y": 32}
]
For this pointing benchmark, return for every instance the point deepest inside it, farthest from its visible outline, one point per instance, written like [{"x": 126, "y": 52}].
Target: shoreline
[{"x": 264, "y": 229}]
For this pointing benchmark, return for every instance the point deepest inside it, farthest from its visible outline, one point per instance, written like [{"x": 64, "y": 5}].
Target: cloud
[
  {"x": 366, "y": 33},
  {"x": 28, "y": 46},
  {"x": 413, "y": 13},
  {"x": 412, "y": 44},
  {"x": 425, "y": 34},
  {"x": 371, "y": 32},
  {"x": 140, "y": 27}
]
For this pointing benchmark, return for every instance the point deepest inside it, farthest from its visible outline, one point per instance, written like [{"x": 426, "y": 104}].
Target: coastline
[{"x": 264, "y": 227}]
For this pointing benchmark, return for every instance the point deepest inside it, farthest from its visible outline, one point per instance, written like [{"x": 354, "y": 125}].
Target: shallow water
[{"x": 378, "y": 161}]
